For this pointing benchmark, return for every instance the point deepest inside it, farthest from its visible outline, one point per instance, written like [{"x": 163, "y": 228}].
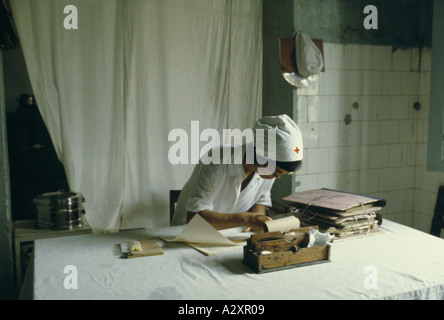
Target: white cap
[
  {"x": 287, "y": 140},
  {"x": 308, "y": 56},
  {"x": 301, "y": 60}
]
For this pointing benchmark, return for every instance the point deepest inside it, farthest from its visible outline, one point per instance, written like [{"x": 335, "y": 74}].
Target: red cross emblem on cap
[{"x": 297, "y": 150}]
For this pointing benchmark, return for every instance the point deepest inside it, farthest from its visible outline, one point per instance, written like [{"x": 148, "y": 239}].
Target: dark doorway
[{"x": 33, "y": 163}]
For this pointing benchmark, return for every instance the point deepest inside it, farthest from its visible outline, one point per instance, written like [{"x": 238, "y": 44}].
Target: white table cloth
[{"x": 401, "y": 263}]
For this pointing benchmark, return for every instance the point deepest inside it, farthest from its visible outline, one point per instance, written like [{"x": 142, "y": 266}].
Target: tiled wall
[
  {"x": 362, "y": 133},
  {"x": 426, "y": 182}
]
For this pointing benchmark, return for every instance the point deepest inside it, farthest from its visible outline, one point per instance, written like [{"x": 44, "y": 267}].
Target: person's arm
[
  {"x": 259, "y": 209},
  {"x": 253, "y": 220}
]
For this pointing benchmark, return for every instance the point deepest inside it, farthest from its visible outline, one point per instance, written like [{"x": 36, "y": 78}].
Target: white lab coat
[{"x": 217, "y": 187}]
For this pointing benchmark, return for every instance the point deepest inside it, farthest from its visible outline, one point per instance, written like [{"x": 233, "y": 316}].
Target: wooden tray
[
  {"x": 284, "y": 255},
  {"x": 149, "y": 248}
]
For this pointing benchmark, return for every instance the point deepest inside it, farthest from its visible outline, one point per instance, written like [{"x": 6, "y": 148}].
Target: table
[
  {"x": 25, "y": 233},
  {"x": 401, "y": 263}
]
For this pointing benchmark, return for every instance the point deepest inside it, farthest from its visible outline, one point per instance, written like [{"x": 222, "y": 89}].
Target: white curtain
[{"x": 112, "y": 90}]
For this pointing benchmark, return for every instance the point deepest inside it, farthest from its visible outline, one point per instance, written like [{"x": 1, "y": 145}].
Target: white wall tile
[
  {"x": 420, "y": 131},
  {"x": 371, "y": 82},
  {"x": 387, "y": 179},
  {"x": 338, "y": 159},
  {"x": 409, "y": 83},
  {"x": 351, "y": 82},
  {"x": 347, "y": 54},
  {"x": 397, "y": 155},
  {"x": 360, "y": 107},
  {"x": 424, "y": 83},
  {"x": 411, "y": 154},
  {"x": 400, "y": 107},
  {"x": 351, "y": 181},
  {"x": 404, "y": 218},
  {"x": 402, "y": 60},
  {"x": 382, "y": 58},
  {"x": 317, "y": 160},
  {"x": 406, "y": 177},
  {"x": 337, "y": 56},
  {"x": 345, "y": 180},
  {"x": 421, "y": 155},
  {"x": 370, "y": 132},
  {"x": 330, "y": 82},
  {"x": 409, "y": 198},
  {"x": 423, "y": 112},
  {"x": 339, "y": 106},
  {"x": 359, "y": 157},
  {"x": 362, "y": 56},
  {"x": 351, "y": 133},
  {"x": 425, "y": 131},
  {"x": 318, "y": 108},
  {"x": 391, "y": 83},
  {"x": 309, "y": 132},
  {"x": 331, "y": 56},
  {"x": 390, "y": 131},
  {"x": 300, "y": 103},
  {"x": 396, "y": 201},
  {"x": 426, "y": 59},
  {"x": 408, "y": 131},
  {"x": 329, "y": 180},
  {"x": 306, "y": 182},
  {"x": 379, "y": 107},
  {"x": 368, "y": 181},
  {"x": 329, "y": 134},
  {"x": 379, "y": 156},
  {"x": 415, "y": 60}
]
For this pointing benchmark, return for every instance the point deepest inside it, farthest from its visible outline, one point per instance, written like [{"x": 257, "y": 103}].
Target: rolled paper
[{"x": 283, "y": 225}]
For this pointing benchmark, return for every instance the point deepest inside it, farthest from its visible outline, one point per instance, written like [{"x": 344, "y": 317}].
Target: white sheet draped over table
[
  {"x": 400, "y": 263},
  {"x": 111, "y": 91}
]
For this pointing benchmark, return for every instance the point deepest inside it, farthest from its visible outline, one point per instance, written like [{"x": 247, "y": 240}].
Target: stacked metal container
[{"x": 59, "y": 210}]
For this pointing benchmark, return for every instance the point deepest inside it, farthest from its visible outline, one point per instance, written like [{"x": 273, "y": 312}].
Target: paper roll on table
[{"x": 282, "y": 225}]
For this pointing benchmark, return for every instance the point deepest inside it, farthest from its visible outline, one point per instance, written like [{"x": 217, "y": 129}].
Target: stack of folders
[{"x": 342, "y": 214}]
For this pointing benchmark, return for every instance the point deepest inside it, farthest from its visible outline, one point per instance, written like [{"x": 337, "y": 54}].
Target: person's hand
[{"x": 255, "y": 222}]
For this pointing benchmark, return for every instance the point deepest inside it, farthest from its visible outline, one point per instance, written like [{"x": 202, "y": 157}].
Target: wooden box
[{"x": 280, "y": 254}]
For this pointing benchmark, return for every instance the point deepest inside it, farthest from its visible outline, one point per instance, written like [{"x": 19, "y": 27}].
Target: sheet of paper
[
  {"x": 214, "y": 249},
  {"x": 198, "y": 230}
]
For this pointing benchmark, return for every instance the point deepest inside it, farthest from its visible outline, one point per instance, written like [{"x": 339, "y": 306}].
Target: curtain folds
[{"x": 112, "y": 90}]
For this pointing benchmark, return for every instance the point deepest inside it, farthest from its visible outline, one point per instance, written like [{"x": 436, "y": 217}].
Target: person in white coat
[{"x": 230, "y": 194}]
